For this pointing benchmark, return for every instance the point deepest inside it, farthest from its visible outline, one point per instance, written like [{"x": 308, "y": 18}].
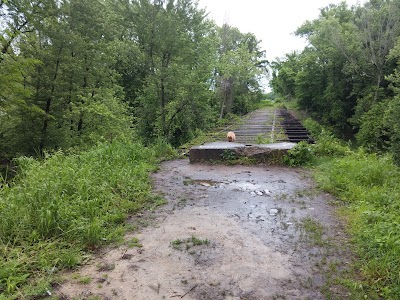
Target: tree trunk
[
  {"x": 162, "y": 106},
  {"x": 163, "y": 98},
  {"x": 48, "y": 104},
  {"x": 226, "y": 96}
]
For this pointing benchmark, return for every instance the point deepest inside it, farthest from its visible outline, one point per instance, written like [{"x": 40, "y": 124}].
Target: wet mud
[{"x": 227, "y": 232}]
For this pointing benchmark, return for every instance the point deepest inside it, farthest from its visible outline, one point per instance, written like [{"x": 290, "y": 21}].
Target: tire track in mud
[{"x": 227, "y": 232}]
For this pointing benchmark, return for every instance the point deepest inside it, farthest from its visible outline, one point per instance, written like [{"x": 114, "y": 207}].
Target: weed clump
[
  {"x": 186, "y": 244},
  {"x": 327, "y": 145}
]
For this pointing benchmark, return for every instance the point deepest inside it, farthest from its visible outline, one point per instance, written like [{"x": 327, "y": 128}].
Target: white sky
[{"x": 272, "y": 21}]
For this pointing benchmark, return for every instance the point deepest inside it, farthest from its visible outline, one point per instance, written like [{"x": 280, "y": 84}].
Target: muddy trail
[{"x": 227, "y": 232}]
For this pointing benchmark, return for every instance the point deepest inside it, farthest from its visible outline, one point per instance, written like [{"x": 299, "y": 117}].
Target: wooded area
[
  {"x": 348, "y": 76},
  {"x": 76, "y": 71}
]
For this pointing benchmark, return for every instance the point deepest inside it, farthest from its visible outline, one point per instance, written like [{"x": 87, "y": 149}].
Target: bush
[
  {"x": 299, "y": 155},
  {"x": 328, "y": 145},
  {"x": 313, "y": 127},
  {"x": 163, "y": 150}
]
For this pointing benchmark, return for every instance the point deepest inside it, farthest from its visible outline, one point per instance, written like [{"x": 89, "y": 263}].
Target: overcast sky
[{"x": 272, "y": 21}]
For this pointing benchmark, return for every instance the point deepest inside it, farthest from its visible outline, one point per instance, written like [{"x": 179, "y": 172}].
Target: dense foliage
[
  {"x": 348, "y": 76},
  {"x": 82, "y": 79},
  {"x": 348, "y": 79},
  {"x": 74, "y": 71},
  {"x": 83, "y": 85}
]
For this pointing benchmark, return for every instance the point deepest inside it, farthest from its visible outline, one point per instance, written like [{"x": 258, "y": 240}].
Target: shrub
[
  {"x": 328, "y": 145},
  {"x": 299, "y": 155},
  {"x": 163, "y": 150},
  {"x": 313, "y": 127}
]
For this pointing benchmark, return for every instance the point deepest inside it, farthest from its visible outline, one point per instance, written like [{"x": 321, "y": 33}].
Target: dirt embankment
[{"x": 227, "y": 232}]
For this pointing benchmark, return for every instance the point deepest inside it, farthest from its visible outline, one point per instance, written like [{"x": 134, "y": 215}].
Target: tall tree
[
  {"x": 323, "y": 86},
  {"x": 73, "y": 91},
  {"x": 341, "y": 75},
  {"x": 284, "y": 72},
  {"x": 176, "y": 41},
  {"x": 241, "y": 63}
]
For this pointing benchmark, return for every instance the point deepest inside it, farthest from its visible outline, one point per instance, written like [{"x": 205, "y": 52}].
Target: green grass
[
  {"x": 134, "y": 242},
  {"x": 369, "y": 187},
  {"x": 313, "y": 230},
  {"x": 59, "y": 209},
  {"x": 262, "y": 139},
  {"x": 186, "y": 244}
]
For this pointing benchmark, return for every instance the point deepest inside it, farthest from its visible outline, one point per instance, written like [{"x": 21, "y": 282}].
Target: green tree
[
  {"x": 378, "y": 26},
  {"x": 392, "y": 109},
  {"x": 173, "y": 96},
  {"x": 240, "y": 65},
  {"x": 73, "y": 95},
  {"x": 322, "y": 86},
  {"x": 340, "y": 77},
  {"x": 284, "y": 74}
]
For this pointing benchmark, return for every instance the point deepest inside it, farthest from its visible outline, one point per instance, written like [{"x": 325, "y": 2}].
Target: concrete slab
[
  {"x": 220, "y": 151},
  {"x": 219, "y": 145}
]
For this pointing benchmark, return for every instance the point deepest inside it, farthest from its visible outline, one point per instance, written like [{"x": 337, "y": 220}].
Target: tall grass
[
  {"x": 370, "y": 184},
  {"x": 60, "y": 207}
]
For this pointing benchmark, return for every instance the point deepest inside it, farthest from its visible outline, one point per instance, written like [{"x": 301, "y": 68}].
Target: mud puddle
[{"x": 227, "y": 232}]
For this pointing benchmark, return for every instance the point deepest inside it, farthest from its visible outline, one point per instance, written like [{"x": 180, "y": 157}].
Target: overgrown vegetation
[
  {"x": 74, "y": 71},
  {"x": 79, "y": 74},
  {"x": 79, "y": 81},
  {"x": 60, "y": 208},
  {"x": 348, "y": 76},
  {"x": 369, "y": 186}
]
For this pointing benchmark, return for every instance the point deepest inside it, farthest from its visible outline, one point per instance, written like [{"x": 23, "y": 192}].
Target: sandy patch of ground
[{"x": 227, "y": 232}]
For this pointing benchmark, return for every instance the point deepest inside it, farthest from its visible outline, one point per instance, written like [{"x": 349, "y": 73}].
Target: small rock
[
  {"x": 267, "y": 192},
  {"x": 259, "y": 193},
  {"x": 155, "y": 288},
  {"x": 214, "y": 283},
  {"x": 205, "y": 184},
  {"x": 273, "y": 212},
  {"x": 252, "y": 193}
]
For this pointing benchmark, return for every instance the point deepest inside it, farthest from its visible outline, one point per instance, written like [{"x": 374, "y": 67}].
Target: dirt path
[{"x": 227, "y": 232}]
